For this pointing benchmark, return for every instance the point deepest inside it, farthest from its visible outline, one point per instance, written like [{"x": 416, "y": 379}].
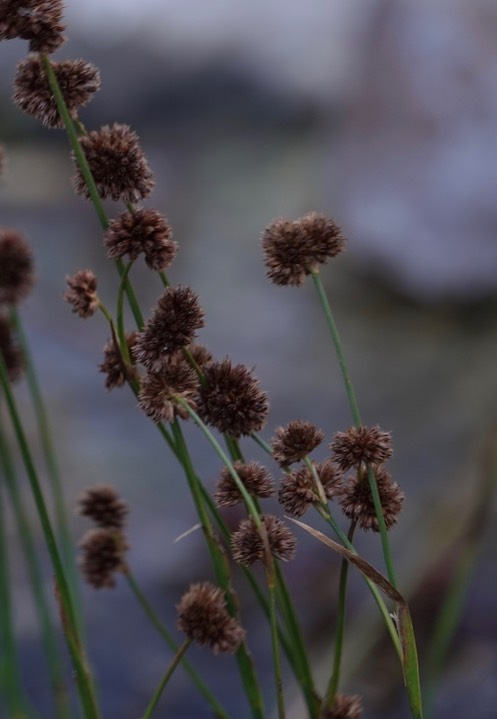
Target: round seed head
[
  {"x": 248, "y": 545},
  {"x": 16, "y": 267},
  {"x": 82, "y": 293},
  {"x": 255, "y": 478},
  {"x": 295, "y": 441},
  {"x": 369, "y": 445},
  {"x": 38, "y": 21},
  {"x": 143, "y": 231},
  {"x": 356, "y": 501},
  {"x": 10, "y": 351},
  {"x": 104, "y": 506},
  {"x": 114, "y": 366},
  {"x": 159, "y": 392},
  {"x": 102, "y": 556}
]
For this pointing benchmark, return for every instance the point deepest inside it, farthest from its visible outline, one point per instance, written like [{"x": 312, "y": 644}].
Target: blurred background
[{"x": 380, "y": 113}]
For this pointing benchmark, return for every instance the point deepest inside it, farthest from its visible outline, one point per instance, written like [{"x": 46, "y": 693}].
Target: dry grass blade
[{"x": 404, "y": 622}]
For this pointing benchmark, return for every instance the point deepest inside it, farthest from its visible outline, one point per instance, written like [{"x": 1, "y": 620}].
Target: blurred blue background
[{"x": 382, "y": 114}]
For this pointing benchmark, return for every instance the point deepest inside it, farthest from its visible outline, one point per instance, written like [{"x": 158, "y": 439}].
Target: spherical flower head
[
  {"x": 78, "y": 81},
  {"x": 344, "y": 707},
  {"x": 102, "y": 556},
  {"x": 104, "y": 506},
  {"x": 38, "y": 21},
  {"x": 230, "y": 399},
  {"x": 369, "y": 445},
  {"x": 142, "y": 231},
  {"x": 248, "y": 545},
  {"x": 82, "y": 293},
  {"x": 160, "y": 391},
  {"x": 203, "y": 616},
  {"x": 117, "y": 163},
  {"x": 294, "y": 249},
  {"x": 16, "y": 267},
  {"x": 298, "y": 489},
  {"x": 295, "y": 441},
  {"x": 173, "y": 325},
  {"x": 114, "y": 367},
  {"x": 356, "y": 501},
  {"x": 10, "y": 351},
  {"x": 255, "y": 478}
]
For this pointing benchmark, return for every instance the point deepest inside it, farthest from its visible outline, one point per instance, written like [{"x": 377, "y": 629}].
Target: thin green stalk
[
  {"x": 202, "y": 687},
  {"x": 354, "y": 407},
  {"x": 273, "y": 622},
  {"x": 165, "y": 679},
  {"x": 47, "y": 444},
  {"x": 340, "y": 628},
  {"x": 9, "y": 659},
  {"x": 83, "y": 165},
  {"x": 48, "y": 634},
  {"x": 295, "y": 650},
  {"x": 84, "y": 682},
  {"x": 245, "y": 663}
]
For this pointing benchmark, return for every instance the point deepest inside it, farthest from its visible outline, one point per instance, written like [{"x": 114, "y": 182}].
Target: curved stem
[{"x": 167, "y": 676}]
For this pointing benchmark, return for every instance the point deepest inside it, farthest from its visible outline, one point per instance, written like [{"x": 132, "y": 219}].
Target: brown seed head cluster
[
  {"x": 203, "y": 616},
  {"x": 344, "y": 707},
  {"x": 78, "y": 81},
  {"x": 142, "y": 231},
  {"x": 298, "y": 489},
  {"x": 358, "y": 445},
  {"x": 295, "y": 441},
  {"x": 357, "y": 504},
  {"x": 292, "y": 250},
  {"x": 10, "y": 351},
  {"x": 174, "y": 324},
  {"x": 231, "y": 400},
  {"x": 159, "y": 391},
  {"x": 255, "y": 478},
  {"x": 104, "y": 506},
  {"x": 102, "y": 556},
  {"x": 114, "y": 367},
  {"x": 117, "y": 163},
  {"x": 16, "y": 267},
  {"x": 38, "y": 21},
  {"x": 248, "y": 545},
  {"x": 82, "y": 293}
]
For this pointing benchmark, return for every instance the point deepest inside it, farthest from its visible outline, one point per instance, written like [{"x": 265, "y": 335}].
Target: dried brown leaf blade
[{"x": 405, "y": 628}]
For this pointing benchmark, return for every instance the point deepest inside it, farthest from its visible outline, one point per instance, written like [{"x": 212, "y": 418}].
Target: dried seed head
[
  {"x": 117, "y": 164},
  {"x": 248, "y": 546},
  {"x": 344, "y": 707},
  {"x": 230, "y": 399},
  {"x": 255, "y": 478},
  {"x": 78, "y": 82},
  {"x": 16, "y": 267},
  {"x": 292, "y": 249},
  {"x": 143, "y": 231},
  {"x": 82, "y": 293},
  {"x": 357, "y": 503},
  {"x": 298, "y": 489},
  {"x": 361, "y": 444},
  {"x": 295, "y": 441},
  {"x": 330, "y": 477},
  {"x": 114, "y": 366},
  {"x": 104, "y": 506},
  {"x": 173, "y": 325},
  {"x": 10, "y": 351},
  {"x": 203, "y": 616},
  {"x": 38, "y": 21},
  {"x": 200, "y": 355},
  {"x": 102, "y": 556},
  {"x": 159, "y": 392}
]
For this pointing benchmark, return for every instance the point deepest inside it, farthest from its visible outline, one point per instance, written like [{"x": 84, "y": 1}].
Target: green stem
[
  {"x": 84, "y": 167},
  {"x": 245, "y": 663},
  {"x": 9, "y": 662},
  {"x": 354, "y": 407},
  {"x": 84, "y": 681},
  {"x": 165, "y": 679},
  {"x": 273, "y": 622},
  {"x": 203, "y": 689},
  {"x": 36, "y": 580},
  {"x": 62, "y": 523},
  {"x": 340, "y": 628}
]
